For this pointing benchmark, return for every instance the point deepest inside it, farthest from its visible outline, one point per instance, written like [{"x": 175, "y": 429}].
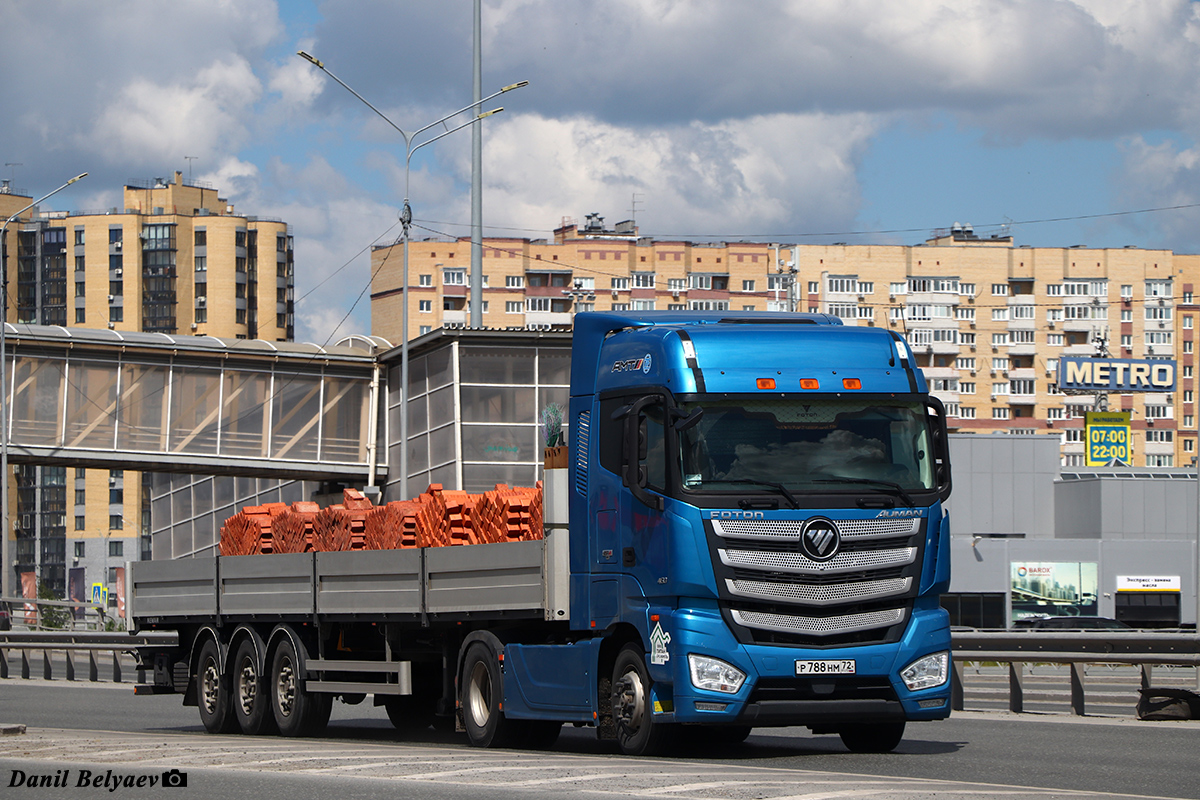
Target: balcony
[
  {"x": 542, "y": 318},
  {"x": 1022, "y": 399},
  {"x": 454, "y": 317}
]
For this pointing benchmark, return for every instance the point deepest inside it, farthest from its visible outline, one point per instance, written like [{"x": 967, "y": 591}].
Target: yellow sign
[{"x": 1107, "y": 437}]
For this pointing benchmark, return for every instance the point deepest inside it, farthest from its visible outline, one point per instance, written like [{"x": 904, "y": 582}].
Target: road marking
[{"x": 457, "y": 766}]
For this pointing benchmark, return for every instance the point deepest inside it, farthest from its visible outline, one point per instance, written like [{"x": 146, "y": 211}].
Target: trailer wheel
[
  {"x": 880, "y": 738},
  {"x": 251, "y": 695},
  {"x": 637, "y": 732},
  {"x": 213, "y": 694},
  {"x": 294, "y": 708},
  {"x": 482, "y": 693}
]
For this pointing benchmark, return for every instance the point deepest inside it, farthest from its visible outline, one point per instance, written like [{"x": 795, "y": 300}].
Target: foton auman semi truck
[{"x": 750, "y": 533}]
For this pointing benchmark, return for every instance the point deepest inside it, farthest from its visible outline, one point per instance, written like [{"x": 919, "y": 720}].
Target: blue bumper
[{"x": 773, "y": 695}]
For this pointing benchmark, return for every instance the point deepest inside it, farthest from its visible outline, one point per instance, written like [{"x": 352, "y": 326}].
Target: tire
[
  {"x": 480, "y": 696},
  {"x": 880, "y": 738},
  {"x": 213, "y": 694},
  {"x": 250, "y": 693},
  {"x": 294, "y": 708},
  {"x": 637, "y": 732}
]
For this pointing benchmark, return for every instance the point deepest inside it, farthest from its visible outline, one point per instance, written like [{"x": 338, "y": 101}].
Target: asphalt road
[{"x": 102, "y": 727}]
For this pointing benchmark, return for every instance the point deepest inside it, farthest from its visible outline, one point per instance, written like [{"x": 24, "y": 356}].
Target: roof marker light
[
  {"x": 810, "y": 383},
  {"x": 851, "y": 383},
  {"x": 766, "y": 383}
]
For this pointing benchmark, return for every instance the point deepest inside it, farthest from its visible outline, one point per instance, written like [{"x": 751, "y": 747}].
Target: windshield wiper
[
  {"x": 896, "y": 488},
  {"x": 779, "y": 487}
]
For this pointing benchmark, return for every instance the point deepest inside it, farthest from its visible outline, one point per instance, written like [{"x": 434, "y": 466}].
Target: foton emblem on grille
[{"x": 820, "y": 539}]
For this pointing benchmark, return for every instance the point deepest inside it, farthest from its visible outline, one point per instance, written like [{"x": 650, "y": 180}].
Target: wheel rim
[
  {"x": 247, "y": 686},
  {"x": 628, "y": 701},
  {"x": 210, "y": 686},
  {"x": 286, "y": 687},
  {"x": 479, "y": 695}
]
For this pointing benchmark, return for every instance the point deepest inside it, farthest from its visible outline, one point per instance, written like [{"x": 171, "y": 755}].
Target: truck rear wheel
[
  {"x": 481, "y": 696},
  {"x": 251, "y": 696},
  {"x": 297, "y": 712},
  {"x": 637, "y": 732},
  {"x": 880, "y": 738},
  {"x": 213, "y": 695}
]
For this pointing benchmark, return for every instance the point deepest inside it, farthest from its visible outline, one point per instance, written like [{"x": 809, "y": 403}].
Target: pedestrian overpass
[{"x": 154, "y": 402}]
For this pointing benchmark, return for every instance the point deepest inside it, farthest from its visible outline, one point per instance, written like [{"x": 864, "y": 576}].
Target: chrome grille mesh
[
  {"x": 819, "y": 626},
  {"x": 788, "y": 529},
  {"x": 799, "y": 563},
  {"x": 820, "y": 595}
]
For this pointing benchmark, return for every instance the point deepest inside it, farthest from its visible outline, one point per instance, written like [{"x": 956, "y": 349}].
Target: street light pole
[
  {"x": 6, "y": 565},
  {"x": 405, "y": 222}
]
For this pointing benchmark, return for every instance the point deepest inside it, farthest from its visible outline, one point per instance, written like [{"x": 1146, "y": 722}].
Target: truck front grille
[
  {"x": 773, "y": 592},
  {"x": 819, "y": 626}
]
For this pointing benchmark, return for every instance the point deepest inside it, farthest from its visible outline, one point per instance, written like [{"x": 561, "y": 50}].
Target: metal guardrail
[
  {"x": 73, "y": 644},
  {"x": 94, "y": 616},
  {"x": 1075, "y": 648}
]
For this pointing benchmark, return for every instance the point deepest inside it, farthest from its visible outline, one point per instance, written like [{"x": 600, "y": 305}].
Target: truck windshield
[{"x": 807, "y": 445}]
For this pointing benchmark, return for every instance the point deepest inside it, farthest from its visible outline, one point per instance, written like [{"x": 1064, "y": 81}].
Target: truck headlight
[
  {"x": 927, "y": 672},
  {"x": 715, "y": 675}
]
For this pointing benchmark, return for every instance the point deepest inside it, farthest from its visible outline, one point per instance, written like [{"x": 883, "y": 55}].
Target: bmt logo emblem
[{"x": 820, "y": 539}]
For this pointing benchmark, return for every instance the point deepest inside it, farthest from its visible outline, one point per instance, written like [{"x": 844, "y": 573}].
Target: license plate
[{"x": 841, "y": 667}]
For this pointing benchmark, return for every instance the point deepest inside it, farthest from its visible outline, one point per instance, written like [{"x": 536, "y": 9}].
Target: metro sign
[{"x": 1115, "y": 374}]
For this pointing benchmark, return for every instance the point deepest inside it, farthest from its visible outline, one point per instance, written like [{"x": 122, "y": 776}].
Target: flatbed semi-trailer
[{"x": 749, "y": 533}]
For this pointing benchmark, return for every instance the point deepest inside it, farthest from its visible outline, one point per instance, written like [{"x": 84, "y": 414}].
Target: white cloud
[
  {"x": 1159, "y": 176},
  {"x": 759, "y": 175}
]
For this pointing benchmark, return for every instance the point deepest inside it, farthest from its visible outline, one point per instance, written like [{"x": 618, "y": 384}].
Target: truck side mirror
[
  {"x": 635, "y": 449},
  {"x": 939, "y": 439}
]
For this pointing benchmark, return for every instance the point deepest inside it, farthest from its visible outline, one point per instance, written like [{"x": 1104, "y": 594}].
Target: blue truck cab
[{"x": 763, "y": 538}]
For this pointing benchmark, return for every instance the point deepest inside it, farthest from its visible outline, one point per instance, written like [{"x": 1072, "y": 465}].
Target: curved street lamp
[
  {"x": 6, "y": 566},
  {"x": 406, "y": 221}
]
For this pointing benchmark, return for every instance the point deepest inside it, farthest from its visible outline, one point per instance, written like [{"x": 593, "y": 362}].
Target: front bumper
[{"x": 773, "y": 695}]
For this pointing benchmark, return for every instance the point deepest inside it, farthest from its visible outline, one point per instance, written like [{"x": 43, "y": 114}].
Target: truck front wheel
[
  {"x": 880, "y": 738},
  {"x": 637, "y": 732},
  {"x": 213, "y": 694}
]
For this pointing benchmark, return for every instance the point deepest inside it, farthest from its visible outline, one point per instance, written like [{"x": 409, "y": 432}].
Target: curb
[{"x": 11, "y": 728}]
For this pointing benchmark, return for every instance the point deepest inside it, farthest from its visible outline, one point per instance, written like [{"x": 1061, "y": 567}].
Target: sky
[{"x": 792, "y": 121}]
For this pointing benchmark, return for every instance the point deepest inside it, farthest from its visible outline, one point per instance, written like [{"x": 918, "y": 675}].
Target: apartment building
[
  {"x": 987, "y": 319},
  {"x": 174, "y": 258}
]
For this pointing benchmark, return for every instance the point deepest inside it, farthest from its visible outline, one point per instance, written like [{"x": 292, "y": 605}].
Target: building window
[
  {"x": 1055, "y": 412},
  {"x": 999, "y": 315},
  {"x": 1158, "y": 288},
  {"x": 643, "y": 280},
  {"x": 1000, "y": 413},
  {"x": 115, "y": 522},
  {"x": 201, "y": 263},
  {"x": 1160, "y": 461},
  {"x": 513, "y": 307},
  {"x": 1022, "y": 337},
  {"x": 1022, "y": 312},
  {"x": 201, "y": 315},
  {"x": 537, "y": 303},
  {"x": 1158, "y": 412},
  {"x": 1000, "y": 290},
  {"x": 966, "y": 412},
  {"x": 80, "y": 316},
  {"x": 116, "y": 549},
  {"x": 425, "y": 329},
  {"x": 747, "y": 286},
  {"x": 643, "y": 305},
  {"x": 964, "y": 314},
  {"x": 1023, "y": 387},
  {"x": 425, "y": 306},
  {"x": 201, "y": 237},
  {"x": 116, "y": 314},
  {"x": 700, "y": 281},
  {"x": 239, "y": 316},
  {"x": 80, "y": 524},
  {"x": 1187, "y": 322},
  {"x": 454, "y": 277},
  {"x": 514, "y": 281},
  {"x": 1054, "y": 339}
]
